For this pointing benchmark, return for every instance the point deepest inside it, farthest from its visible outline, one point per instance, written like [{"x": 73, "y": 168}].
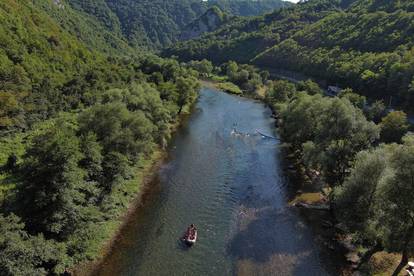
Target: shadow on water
[
  {"x": 262, "y": 238},
  {"x": 275, "y": 234}
]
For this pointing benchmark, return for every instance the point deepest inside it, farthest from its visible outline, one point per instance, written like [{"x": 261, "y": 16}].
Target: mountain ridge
[{"x": 342, "y": 42}]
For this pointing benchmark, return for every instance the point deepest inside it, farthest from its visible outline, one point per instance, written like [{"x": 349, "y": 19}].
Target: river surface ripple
[{"x": 231, "y": 185}]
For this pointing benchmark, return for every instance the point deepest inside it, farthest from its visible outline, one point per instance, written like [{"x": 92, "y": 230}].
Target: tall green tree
[
  {"x": 51, "y": 196},
  {"x": 280, "y": 91},
  {"x": 376, "y": 111},
  {"x": 395, "y": 221},
  {"x": 187, "y": 89},
  {"x": 356, "y": 201},
  {"x": 309, "y": 86},
  {"x": 342, "y": 131},
  {"x": 24, "y": 254},
  {"x": 394, "y": 126}
]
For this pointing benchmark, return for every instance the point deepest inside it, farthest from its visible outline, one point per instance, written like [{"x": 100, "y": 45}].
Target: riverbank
[
  {"x": 110, "y": 230},
  {"x": 308, "y": 194},
  {"x": 234, "y": 189},
  {"x": 312, "y": 197},
  {"x": 131, "y": 199}
]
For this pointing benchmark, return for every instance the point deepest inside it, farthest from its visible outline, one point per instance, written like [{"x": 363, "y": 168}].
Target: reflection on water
[{"x": 224, "y": 177}]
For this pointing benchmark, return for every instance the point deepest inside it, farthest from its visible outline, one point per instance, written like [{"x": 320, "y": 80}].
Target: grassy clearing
[
  {"x": 230, "y": 88},
  {"x": 383, "y": 263},
  {"x": 217, "y": 78},
  {"x": 308, "y": 198},
  {"x": 261, "y": 92}
]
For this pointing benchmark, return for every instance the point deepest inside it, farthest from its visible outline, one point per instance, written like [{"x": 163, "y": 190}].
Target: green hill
[
  {"x": 82, "y": 116},
  {"x": 366, "y": 45},
  {"x": 156, "y": 23}
]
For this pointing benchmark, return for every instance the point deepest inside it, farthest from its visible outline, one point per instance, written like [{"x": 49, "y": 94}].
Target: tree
[
  {"x": 355, "y": 198},
  {"x": 312, "y": 88},
  {"x": 24, "y": 254},
  {"x": 231, "y": 70},
  {"x": 376, "y": 199},
  {"x": 376, "y": 111},
  {"x": 11, "y": 110},
  {"x": 299, "y": 124},
  {"x": 204, "y": 67},
  {"x": 118, "y": 130},
  {"x": 280, "y": 91},
  {"x": 395, "y": 222},
  {"x": 51, "y": 195},
  {"x": 356, "y": 201},
  {"x": 342, "y": 131},
  {"x": 393, "y": 127},
  {"x": 356, "y": 99},
  {"x": 186, "y": 88}
]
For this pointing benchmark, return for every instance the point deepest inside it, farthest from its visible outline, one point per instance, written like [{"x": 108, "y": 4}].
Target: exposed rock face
[{"x": 208, "y": 22}]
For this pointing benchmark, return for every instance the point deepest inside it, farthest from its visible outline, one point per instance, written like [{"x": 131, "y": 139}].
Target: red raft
[{"x": 190, "y": 236}]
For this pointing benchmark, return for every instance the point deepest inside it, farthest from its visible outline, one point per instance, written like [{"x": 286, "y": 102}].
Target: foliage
[
  {"x": 356, "y": 99},
  {"x": 204, "y": 67},
  {"x": 393, "y": 127},
  {"x": 23, "y": 254},
  {"x": 230, "y": 87},
  {"x": 311, "y": 87},
  {"x": 329, "y": 131},
  {"x": 366, "y": 45},
  {"x": 76, "y": 125},
  {"x": 375, "y": 111},
  {"x": 377, "y": 197},
  {"x": 51, "y": 193},
  {"x": 150, "y": 24},
  {"x": 280, "y": 91},
  {"x": 247, "y": 77}
]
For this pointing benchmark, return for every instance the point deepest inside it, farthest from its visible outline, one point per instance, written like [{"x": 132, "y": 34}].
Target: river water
[{"x": 231, "y": 185}]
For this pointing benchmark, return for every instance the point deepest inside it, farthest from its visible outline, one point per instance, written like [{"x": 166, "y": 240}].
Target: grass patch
[
  {"x": 261, "y": 92},
  {"x": 308, "y": 198},
  {"x": 217, "y": 78},
  {"x": 384, "y": 264},
  {"x": 230, "y": 88}
]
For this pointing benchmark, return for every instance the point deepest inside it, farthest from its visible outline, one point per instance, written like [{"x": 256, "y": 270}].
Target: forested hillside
[
  {"x": 95, "y": 25},
  {"x": 78, "y": 128},
  {"x": 366, "y": 45},
  {"x": 156, "y": 23}
]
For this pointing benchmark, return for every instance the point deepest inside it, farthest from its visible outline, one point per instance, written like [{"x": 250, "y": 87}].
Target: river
[{"x": 231, "y": 185}]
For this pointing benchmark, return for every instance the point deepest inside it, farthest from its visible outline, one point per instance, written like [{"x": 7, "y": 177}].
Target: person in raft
[{"x": 190, "y": 231}]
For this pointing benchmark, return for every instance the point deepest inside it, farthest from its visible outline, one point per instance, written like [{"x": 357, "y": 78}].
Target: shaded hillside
[{"x": 156, "y": 23}]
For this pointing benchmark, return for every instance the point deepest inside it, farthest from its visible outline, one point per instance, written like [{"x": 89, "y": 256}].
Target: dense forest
[
  {"x": 365, "y": 45},
  {"x": 153, "y": 24},
  {"x": 86, "y": 108},
  {"x": 77, "y": 129}
]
